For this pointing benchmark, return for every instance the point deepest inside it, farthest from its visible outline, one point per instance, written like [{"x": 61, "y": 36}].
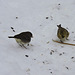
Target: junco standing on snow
[
  {"x": 23, "y": 38},
  {"x": 62, "y": 33}
]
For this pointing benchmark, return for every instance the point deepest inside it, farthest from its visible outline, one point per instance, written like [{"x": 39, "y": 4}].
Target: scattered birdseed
[
  {"x": 72, "y": 57},
  {"x": 52, "y": 51},
  {"x": 47, "y": 17},
  {"x": 67, "y": 68},
  {"x": 60, "y": 54},
  {"x": 26, "y": 55},
  {"x": 51, "y": 72},
  {"x": 59, "y": 4},
  {"x": 12, "y": 28},
  {"x": 72, "y": 32},
  {"x": 63, "y": 52},
  {"x": 16, "y": 17},
  {"x": 34, "y": 59}
]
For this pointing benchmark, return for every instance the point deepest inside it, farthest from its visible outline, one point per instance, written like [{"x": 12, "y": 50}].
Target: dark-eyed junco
[
  {"x": 23, "y": 38},
  {"x": 62, "y": 33}
]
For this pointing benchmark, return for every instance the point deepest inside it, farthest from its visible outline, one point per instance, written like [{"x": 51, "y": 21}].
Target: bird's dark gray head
[
  {"x": 29, "y": 34},
  {"x": 59, "y": 26}
]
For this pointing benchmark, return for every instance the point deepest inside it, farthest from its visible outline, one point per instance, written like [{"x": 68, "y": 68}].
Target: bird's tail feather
[{"x": 10, "y": 36}]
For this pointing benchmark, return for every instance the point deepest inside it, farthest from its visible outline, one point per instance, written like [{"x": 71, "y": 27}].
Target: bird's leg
[
  {"x": 19, "y": 44},
  {"x": 23, "y": 46},
  {"x": 61, "y": 41}
]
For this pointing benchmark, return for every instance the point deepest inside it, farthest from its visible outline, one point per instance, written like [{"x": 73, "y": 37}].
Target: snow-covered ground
[{"x": 40, "y": 17}]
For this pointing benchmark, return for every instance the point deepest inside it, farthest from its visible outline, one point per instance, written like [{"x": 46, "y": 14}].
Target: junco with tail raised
[{"x": 62, "y": 33}]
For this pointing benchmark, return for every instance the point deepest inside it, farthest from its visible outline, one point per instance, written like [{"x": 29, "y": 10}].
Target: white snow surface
[{"x": 45, "y": 57}]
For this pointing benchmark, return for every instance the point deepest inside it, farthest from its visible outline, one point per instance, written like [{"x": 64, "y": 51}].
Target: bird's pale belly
[{"x": 19, "y": 41}]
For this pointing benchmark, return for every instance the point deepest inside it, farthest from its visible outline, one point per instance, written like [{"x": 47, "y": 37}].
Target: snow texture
[{"x": 43, "y": 56}]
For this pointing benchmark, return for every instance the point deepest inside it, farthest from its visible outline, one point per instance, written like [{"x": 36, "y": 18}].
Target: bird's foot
[
  {"x": 61, "y": 41},
  {"x": 24, "y": 46}
]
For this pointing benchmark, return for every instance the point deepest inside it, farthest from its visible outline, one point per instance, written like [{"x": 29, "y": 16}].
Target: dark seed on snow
[
  {"x": 63, "y": 52},
  {"x": 47, "y": 17},
  {"x": 72, "y": 32},
  {"x": 50, "y": 53},
  {"x": 60, "y": 54},
  {"x": 12, "y": 28},
  {"x": 58, "y": 4},
  {"x": 26, "y": 55},
  {"x": 34, "y": 59},
  {"x": 40, "y": 25},
  {"x": 52, "y": 50},
  {"x": 50, "y": 72},
  {"x": 67, "y": 68},
  {"x": 49, "y": 69},
  {"x": 43, "y": 62},
  {"x": 16, "y": 17},
  {"x": 72, "y": 57}
]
